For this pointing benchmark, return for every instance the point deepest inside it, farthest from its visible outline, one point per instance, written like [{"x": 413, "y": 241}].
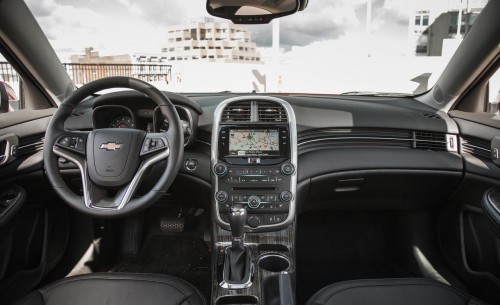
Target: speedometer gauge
[{"x": 123, "y": 121}]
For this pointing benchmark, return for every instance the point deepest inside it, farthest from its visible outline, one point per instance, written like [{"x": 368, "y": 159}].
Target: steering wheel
[{"x": 113, "y": 162}]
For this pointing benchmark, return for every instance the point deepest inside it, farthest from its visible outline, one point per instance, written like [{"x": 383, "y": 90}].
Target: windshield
[{"x": 332, "y": 47}]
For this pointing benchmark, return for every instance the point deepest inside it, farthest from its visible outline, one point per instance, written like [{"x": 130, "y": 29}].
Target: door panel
[
  {"x": 34, "y": 225},
  {"x": 467, "y": 238}
]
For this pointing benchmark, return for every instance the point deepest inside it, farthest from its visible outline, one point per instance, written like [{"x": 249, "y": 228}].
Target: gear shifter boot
[{"x": 237, "y": 264}]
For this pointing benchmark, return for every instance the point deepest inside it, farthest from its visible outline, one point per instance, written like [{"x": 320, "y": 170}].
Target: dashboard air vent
[
  {"x": 31, "y": 145},
  {"x": 430, "y": 140},
  {"x": 477, "y": 147},
  {"x": 237, "y": 112},
  {"x": 271, "y": 112}
]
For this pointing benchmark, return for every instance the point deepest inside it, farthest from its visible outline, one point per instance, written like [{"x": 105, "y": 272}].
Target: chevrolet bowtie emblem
[{"x": 111, "y": 146}]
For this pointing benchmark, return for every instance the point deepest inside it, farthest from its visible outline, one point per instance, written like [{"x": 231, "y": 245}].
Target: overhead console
[{"x": 254, "y": 161}]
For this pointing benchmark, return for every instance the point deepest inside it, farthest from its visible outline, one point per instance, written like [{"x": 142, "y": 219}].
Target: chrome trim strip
[
  {"x": 476, "y": 147},
  {"x": 131, "y": 187},
  {"x": 490, "y": 203},
  {"x": 293, "y": 158},
  {"x": 82, "y": 166},
  {"x": 32, "y": 144},
  {"x": 368, "y": 138}
]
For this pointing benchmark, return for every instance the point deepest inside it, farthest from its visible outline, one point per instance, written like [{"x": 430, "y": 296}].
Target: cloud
[{"x": 127, "y": 26}]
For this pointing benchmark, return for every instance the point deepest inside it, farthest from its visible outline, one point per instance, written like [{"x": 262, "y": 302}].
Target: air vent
[
  {"x": 430, "y": 115},
  {"x": 271, "y": 112},
  {"x": 357, "y": 137},
  {"x": 477, "y": 147},
  {"x": 430, "y": 140},
  {"x": 237, "y": 112},
  {"x": 31, "y": 145}
]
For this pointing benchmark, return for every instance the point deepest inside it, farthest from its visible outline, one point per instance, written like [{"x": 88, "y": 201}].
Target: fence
[{"x": 85, "y": 73}]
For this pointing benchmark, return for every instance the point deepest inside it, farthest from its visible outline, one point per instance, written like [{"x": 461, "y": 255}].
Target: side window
[
  {"x": 494, "y": 93},
  {"x": 10, "y": 87}
]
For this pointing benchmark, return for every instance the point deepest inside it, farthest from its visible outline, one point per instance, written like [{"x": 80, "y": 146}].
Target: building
[
  {"x": 91, "y": 66},
  {"x": 92, "y": 56},
  {"x": 206, "y": 40},
  {"x": 431, "y": 26}
]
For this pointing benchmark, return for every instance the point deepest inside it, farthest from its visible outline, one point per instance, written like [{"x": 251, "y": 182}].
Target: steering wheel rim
[{"x": 95, "y": 202}]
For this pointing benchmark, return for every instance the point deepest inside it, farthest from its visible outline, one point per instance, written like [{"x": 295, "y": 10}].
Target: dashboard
[{"x": 335, "y": 147}]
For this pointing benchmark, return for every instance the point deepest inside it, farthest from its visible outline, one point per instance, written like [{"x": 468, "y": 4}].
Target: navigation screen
[{"x": 254, "y": 142}]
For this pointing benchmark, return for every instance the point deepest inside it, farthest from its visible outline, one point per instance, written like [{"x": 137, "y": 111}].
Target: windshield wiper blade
[{"x": 374, "y": 93}]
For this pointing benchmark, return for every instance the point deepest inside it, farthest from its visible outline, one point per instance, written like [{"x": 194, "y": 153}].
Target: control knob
[
  {"x": 221, "y": 196},
  {"x": 287, "y": 169},
  {"x": 220, "y": 169},
  {"x": 286, "y": 196},
  {"x": 253, "y": 221},
  {"x": 253, "y": 202}
]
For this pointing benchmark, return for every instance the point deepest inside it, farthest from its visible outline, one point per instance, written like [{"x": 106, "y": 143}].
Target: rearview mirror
[{"x": 252, "y": 11}]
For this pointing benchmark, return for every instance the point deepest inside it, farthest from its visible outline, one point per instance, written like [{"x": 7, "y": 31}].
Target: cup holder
[{"x": 274, "y": 262}]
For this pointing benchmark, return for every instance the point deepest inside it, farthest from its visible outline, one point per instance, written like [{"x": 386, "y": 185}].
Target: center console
[
  {"x": 254, "y": 161},
  {"x": 254, "y": 183}
]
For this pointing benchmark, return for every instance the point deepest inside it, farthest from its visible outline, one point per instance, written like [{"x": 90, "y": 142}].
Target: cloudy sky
[{"x": 127, "y": 26}]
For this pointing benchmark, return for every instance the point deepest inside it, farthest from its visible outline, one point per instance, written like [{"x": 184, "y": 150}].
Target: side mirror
[{"x": 252, "y": 11}]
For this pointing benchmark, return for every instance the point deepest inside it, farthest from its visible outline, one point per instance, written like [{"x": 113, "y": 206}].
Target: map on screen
[{"x": 251, "y": 142}]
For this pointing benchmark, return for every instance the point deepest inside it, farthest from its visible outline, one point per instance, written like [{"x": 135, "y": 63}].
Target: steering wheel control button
[
  {"x": 287, "y": 169},
  {"x": 253, "y": 202},
  {"x": 220, "y": 169},
  {"x": 152, "y": 144},
  {"x": 73, "y": 143},
  {"x": 253, "y": 221},
  {"x": 221, "y": 196},
  {"x": 286, "y": 196},
  {"x": 191, "y": 164}
]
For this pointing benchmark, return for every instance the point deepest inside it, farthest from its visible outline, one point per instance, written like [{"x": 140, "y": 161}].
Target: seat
[
  {"x": 116, "y": 289},
  {"x": 391, "y": 292}
]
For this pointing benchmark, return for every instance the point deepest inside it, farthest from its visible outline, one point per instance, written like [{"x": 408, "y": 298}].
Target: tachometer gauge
[{"x": 123, "y": 121}]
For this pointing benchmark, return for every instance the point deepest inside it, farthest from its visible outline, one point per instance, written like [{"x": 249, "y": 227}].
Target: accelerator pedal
[{"x": 172, "y": 224}]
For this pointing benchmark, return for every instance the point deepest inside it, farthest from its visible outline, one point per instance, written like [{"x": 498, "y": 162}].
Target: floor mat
[
  {"x": 187, "y": 259},
  {"x": 341, "y": 246}
]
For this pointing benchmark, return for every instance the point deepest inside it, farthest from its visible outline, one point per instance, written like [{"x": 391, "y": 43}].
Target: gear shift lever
[
  {"x": 237, "y": 265},
  {"x": 237, "y": 220}
]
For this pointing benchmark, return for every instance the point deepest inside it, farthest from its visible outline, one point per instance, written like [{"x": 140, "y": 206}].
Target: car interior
[{"x": 144, "y": 196}]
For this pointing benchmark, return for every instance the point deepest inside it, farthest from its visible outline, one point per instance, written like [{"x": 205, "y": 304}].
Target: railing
[
  {"x": 85, "y": 73},
  {"x": 8, "y": 74}
]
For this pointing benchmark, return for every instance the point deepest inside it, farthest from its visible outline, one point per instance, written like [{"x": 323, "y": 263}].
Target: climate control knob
[
  {"x": 287, "y": 169},
  {"x": 221, "y": 196},
  {"x": 220, "y": 169},
  {"x": 253, "y": 202},
  {"x": 286, "y": 196}
]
